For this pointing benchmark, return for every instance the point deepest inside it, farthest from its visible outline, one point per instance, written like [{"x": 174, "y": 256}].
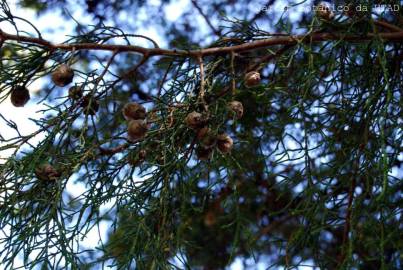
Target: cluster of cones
[
  {"x": 136, "y": 114},
  {"x": 63, "y": 75},
  {"x": 206, "y": 138}
]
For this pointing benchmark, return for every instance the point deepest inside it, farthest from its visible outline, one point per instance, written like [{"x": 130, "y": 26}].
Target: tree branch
[
  {"x": 280, "y": 40},
  {"x": 388, "y": 26},
  {"x": 202, "y": 83}
]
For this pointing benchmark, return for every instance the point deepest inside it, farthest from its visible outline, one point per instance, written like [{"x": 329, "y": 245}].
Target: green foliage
[{"x": 314, "y": 175}]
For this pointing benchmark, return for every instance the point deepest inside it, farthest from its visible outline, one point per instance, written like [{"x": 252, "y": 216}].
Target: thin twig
[
  {"x": 233, "y": 83},
  {"x": 257, "y": 66},
  {"x": 347, "y": 224},
  {"x": 262, "y": 12},
  {"x": 202, "y": 82},
  {"x": 213, "y": 29},
  {"x": 132, "y": 71},
  {"x": 389, "y": 26},
  {"x": 163, "y": 80},
  {"x": 132, "y": 35},
  {"x": 107, "y": 65},
  {"x": 112, "y": 151},
  {"x": 189, "y": 151}
]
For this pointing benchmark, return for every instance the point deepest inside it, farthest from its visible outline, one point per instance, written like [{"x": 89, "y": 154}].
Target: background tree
[{"x": 264, "y": 136}]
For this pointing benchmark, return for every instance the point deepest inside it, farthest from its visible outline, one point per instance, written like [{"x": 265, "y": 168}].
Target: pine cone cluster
[
  {"x": 137, "y": 126},
  {"x": 47, "y": 172}
]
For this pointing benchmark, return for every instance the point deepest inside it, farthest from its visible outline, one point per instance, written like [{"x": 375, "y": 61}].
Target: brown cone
[
  {"x": 90, "y": 105},
  {"x": 224, "y": 143},
  {"x": 324, "y": 12},
  {"x": 195, "y": 120},
  {"x": 204, "y": 153},
  {"x": 206, "y": 138},
  {"x": 136, "y": 130},
  {"x": 237, "y": 108},
  {"x": 75, "y": 92},
  {"x": 252, "y": 79},
  {"x": 63, "y": 75},
  {"x": 19, "y": 96},
  {"x": 134, "y": 111},
  {"x": 47, "y": 172},
  {"x": 210, "y": 218}
]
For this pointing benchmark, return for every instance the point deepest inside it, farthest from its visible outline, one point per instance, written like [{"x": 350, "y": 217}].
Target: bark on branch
[{"x": 278, "y": 40}]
